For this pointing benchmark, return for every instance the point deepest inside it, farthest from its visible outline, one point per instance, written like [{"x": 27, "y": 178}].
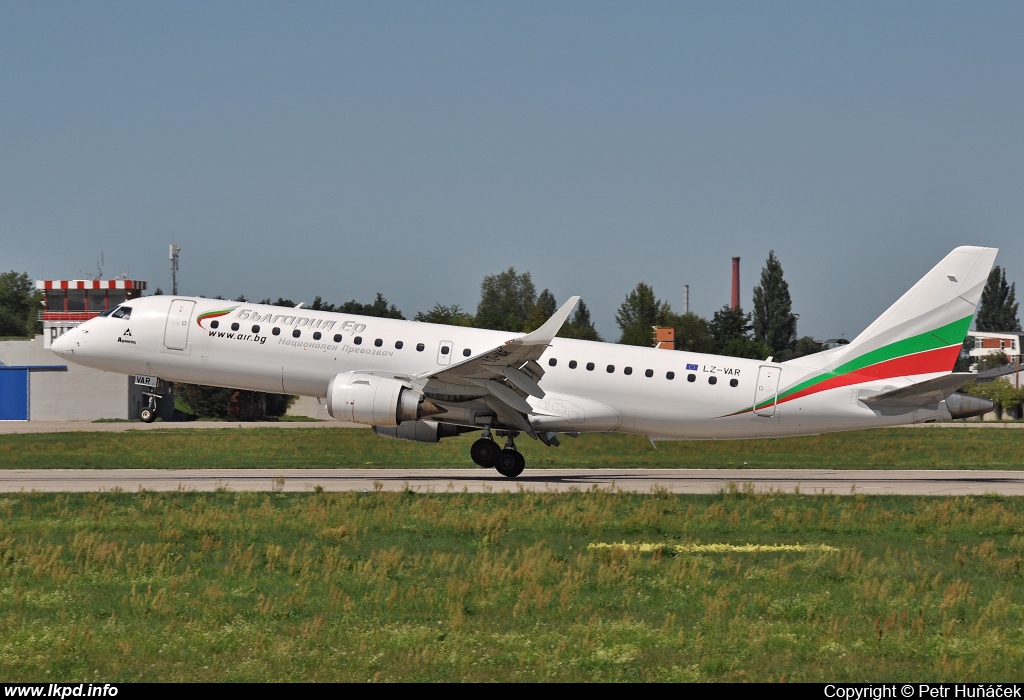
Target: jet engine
[
  {"x": 372, "y": 400},
  {"x": 420, "y": 431}
]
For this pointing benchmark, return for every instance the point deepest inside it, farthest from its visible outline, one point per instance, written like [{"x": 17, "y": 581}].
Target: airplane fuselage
[{"x": 588, "y": 386}]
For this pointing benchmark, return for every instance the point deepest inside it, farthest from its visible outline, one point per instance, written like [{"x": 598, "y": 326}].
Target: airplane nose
[{"x": 63, "y": 345}]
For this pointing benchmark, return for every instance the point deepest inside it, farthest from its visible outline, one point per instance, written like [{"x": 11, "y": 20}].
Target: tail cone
[{"x": 965, "y": 405}]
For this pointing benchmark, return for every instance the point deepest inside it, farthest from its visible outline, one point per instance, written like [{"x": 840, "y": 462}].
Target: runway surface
[{"x": 805, "y": 481}]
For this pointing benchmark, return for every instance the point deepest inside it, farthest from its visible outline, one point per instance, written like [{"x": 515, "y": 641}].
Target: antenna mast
[{"x": 175, "y": 250}]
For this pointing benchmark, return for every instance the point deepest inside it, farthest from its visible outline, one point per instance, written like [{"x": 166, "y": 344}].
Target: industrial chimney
[{"x": 735, "y": 283}]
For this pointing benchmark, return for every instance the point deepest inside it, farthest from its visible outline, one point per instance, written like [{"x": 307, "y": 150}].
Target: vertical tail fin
[{"x": 923, "y": 331}]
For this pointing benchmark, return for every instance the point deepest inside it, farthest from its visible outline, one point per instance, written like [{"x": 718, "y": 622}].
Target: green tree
[
  {"x": 992, "y": 360},
  {"x": 542, "y": 310},
  {"x": 19, "y": 305},
  {"x": 448, "y": 315},
  {"x": 693, "y": 332},
  {"x": 774, "y": 322},
  {"x": 320, "y": 305},
  {"x": 579, "y": 325},
  {"x": 379, "y": 307},
  {"x": 997, "y": 311},
  {"x": 730, "y": 329},
  {"x": 639, "y": 313},
  {"x": 1001, "y": 392},
  {"x": 804, "y": 346},
  {"x": 217, "y": 403},
  {"x": 728, "y": 324},
  {"x": 506, "y": 300}
]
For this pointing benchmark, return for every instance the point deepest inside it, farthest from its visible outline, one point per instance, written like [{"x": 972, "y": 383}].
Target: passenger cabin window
[
  {"x": 627, "y": 370},
  {"x": 234, "y": 326},
  {"x": 712, "y": 379},
  {"x": 691, "y": 377},
  {"x": 337, "y": 337},
  {"x": 316, "y": 335},
  {"x": 276, "y": 331},
  {"x": 419, "y": 347},
  {"x": 214, "y": 324},
  {"x": 467, "y": 352},
  {"x": 445, "y": 349},
  {"x": 552, "y": 362},
  {"x": 296, "y": 333},
  {"x": 670, "y": 375},
  {"x": 649, "y": 373},
  {"x": 734, "y": 382},
  {"x": 358, "y": 340},
  {"x": 590, "y": 366},
  {"x": 610, "y": 368},
  {"x": 255, "y": 329},
  {"x": 378, "y": 342},
  {"x": 399, "y": 344}
]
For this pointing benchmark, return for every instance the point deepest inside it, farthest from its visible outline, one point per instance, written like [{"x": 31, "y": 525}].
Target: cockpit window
[
  {"x": 122, "y": 312},
  {"x": 108, "y": 312}
]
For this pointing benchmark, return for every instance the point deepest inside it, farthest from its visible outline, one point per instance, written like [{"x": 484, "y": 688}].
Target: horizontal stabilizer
[{"x": 920, "y": 394}]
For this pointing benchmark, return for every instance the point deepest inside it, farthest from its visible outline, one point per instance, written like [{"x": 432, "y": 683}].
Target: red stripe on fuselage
[{"x": 928, "y": 362}]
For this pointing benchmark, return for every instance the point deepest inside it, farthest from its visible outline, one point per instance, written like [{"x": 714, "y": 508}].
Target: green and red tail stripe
[
  {"x": 927, "y": 353},
  {"x": 213, "y": 314}
]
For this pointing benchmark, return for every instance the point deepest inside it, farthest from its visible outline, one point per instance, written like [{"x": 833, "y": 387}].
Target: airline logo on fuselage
[{"x": 299, "y": 321}]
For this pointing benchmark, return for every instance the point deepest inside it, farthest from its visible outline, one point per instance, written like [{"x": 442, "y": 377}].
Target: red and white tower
[{"x": 67, "y": 303}]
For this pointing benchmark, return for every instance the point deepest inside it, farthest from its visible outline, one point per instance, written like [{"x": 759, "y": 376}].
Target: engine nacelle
[
  {"x": 372, "y": 400},
  {"x": 420, "y": 431}
]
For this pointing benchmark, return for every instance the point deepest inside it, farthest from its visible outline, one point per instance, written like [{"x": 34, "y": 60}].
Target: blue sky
[{"x": 341, "y": 149}]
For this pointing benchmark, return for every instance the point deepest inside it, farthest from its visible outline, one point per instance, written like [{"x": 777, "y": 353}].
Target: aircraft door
[
  {"x": 444, "y": 352},
  {"x": 178, "y": 317},
  {"x": 766, "y": 392}
]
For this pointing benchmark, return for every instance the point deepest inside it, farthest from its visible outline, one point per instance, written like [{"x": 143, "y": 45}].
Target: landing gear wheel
[
  {"x": 147, "y": 415},
  {"x": 485, "y": 453},
  {"x": 510, "y": 463}
]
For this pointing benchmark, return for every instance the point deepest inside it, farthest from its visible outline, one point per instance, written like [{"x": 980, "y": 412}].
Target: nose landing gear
[{"x": 147, "y": 414}]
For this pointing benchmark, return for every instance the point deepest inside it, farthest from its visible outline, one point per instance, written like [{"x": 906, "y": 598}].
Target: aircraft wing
[
  {"x": 922, "y": 393},
  {"x": 502, "y": 377}
]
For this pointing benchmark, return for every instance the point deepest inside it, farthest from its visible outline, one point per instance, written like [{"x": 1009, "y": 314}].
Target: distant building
[
  {"x": 991, "y": 343},
  {"x": 67, "y": 303},
  {"x": 37, "y": 385}
]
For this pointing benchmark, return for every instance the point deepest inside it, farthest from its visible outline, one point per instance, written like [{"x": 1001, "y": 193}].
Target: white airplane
[{"x": 424, "y": 382}]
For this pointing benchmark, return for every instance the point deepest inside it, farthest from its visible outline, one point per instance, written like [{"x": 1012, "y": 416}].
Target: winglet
[{"x": 546, "y": 333}]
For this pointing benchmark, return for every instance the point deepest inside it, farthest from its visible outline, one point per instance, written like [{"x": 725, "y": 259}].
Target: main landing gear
[{"x": 509, "y": 461}]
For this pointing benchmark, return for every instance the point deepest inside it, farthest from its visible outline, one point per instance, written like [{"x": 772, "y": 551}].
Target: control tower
[{"x": 67, "y": 303}]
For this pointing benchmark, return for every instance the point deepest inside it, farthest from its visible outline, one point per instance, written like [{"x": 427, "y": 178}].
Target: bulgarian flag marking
[
  {"x": 213, "y": 314},
  {"x": 927, "y": 353}
]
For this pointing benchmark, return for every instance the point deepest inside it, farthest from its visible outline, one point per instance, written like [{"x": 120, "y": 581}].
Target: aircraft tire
[
  {"x": 510, "y": 463},
  {"x": 147, "y": 415},
  {"x": 485, "y": 453}
]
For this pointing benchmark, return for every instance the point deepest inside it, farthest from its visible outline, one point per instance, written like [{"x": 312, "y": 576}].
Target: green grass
[
  {"x": 499, "y": 587},
  {"x": 282, "y": 449}
]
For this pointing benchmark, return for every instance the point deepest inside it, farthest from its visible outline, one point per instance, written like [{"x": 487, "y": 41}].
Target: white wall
[{"x": 78, "y": 394}]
